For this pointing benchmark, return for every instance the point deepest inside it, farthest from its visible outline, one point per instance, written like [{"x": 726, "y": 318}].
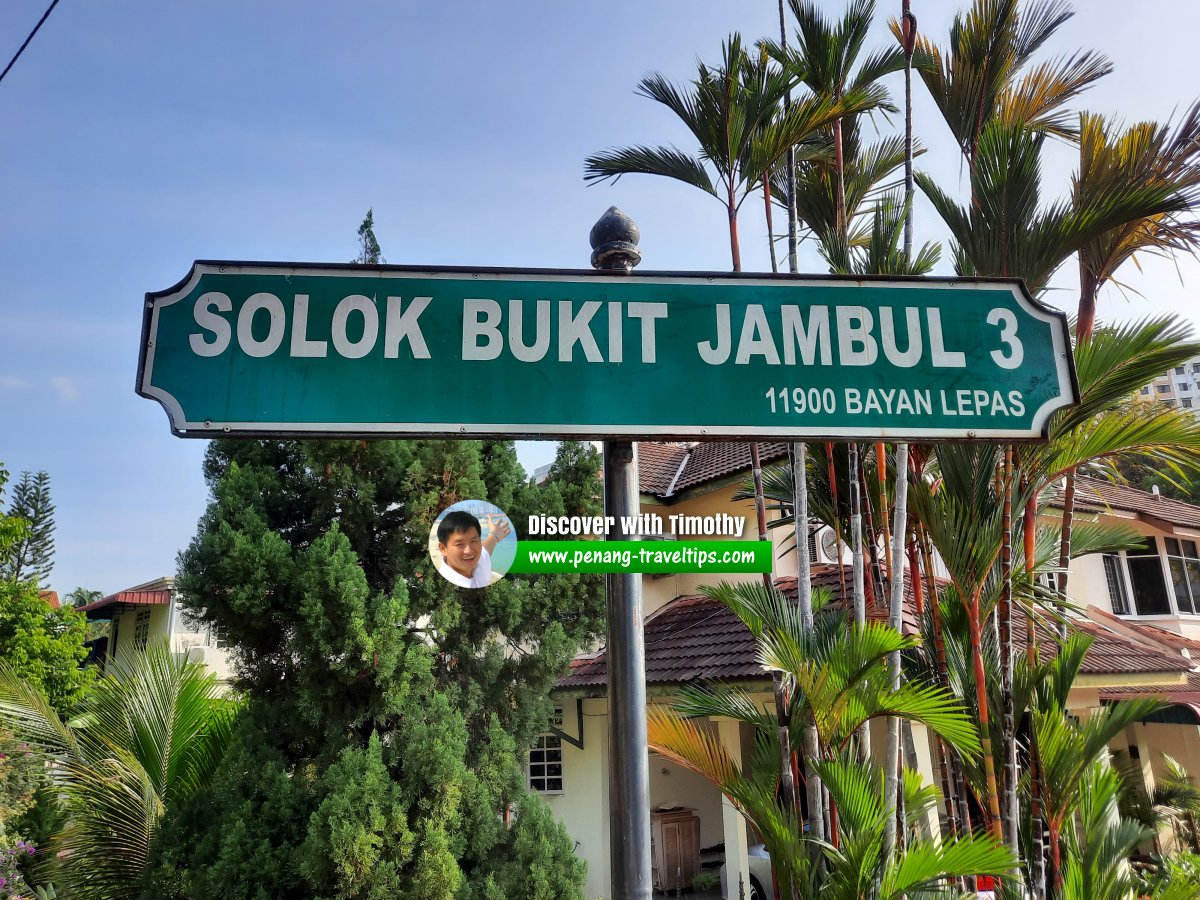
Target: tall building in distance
[{"x": 1179, "y": 387}]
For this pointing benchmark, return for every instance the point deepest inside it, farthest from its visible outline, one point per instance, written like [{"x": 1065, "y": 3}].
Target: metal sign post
[{"x": 614, "y": 247}]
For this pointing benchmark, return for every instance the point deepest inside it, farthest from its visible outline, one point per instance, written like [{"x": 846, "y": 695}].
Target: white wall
[{"x": 583, "y": 805}]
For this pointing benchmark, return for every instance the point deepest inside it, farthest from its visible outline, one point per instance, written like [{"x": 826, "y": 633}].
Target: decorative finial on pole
[{"x": 614, "y": 240}]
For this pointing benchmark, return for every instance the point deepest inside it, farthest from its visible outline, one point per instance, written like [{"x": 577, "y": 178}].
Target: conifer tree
[
  {"x": 379, "y": 752},
  {"x": 43, "y": 645},
  {"x": 31, "y": 556}
]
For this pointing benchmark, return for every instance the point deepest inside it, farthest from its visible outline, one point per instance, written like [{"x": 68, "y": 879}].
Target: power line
[{"x": 40, "y": 23}]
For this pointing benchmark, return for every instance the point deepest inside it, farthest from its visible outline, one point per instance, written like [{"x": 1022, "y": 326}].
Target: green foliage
[
  {"x": 1177, "y": 877},
  {"x": 82, "y": 596},
  {"x": 20, "y": 776},
  {"x": 1098, "y": 848},
  {"x": 369, "y": 252},
  {"x": 835, "y": 676},
  {"x": 43, "y": 645},
  {"x": 148, "y": 736},
  {"x": 30, "y": 557},
  {"x": 12, "y": 530},
  {"x": 387, "y": 710}
]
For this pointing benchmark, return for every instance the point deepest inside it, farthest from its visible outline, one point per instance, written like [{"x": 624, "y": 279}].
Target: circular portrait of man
[{"x": 472, "y": 543}]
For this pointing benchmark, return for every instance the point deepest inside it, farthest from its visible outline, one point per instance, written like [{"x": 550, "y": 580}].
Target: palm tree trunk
[
  {"x": 981, "y": 699},
  {"x": 1008, "y": 723},
  {"x": 896, "y": 620},
  {"x": 793, "y": 213},
  {"x": 811, "y": 744},
  {"x": 881, "y": 474},
  {"x": 1055, "y": 858},
  {"x": 839, "y": 164},
  {"x": 1037, "y": 858},
  {"x": 1085, "y": 321},
  {"x": 910, "y": 36},
  {"x": 837, "y": 519},
  {"x": 799, "y": 456},
  {"x": 1064, "y": 547},
  {"x": 770, "y": 221},
  {"x": 787, "y": 783},
  {"x": 949, "y": 794},
  {"x": 856, "y": 540},
  {"x": 860, "y": 597},
  {"x": 875, "y": 581},
  {"x": 734, "y": 247}
]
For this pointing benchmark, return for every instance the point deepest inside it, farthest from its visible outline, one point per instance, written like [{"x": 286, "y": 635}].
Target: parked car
[{"x": 759, "y": 887}]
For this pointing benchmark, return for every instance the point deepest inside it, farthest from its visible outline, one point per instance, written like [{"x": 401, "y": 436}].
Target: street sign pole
[{"x": 614, "y": 247}]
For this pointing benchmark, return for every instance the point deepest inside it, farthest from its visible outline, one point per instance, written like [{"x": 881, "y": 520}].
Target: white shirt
[{"x": 480, "y": 578}]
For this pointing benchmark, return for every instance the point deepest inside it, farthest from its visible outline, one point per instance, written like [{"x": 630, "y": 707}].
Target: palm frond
[{"x": 666, "y": 161}]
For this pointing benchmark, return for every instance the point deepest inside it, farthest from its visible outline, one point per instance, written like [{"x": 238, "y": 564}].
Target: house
[
  {"x": 150, "y": 612},
  {"x": 1139, "y": 613}
]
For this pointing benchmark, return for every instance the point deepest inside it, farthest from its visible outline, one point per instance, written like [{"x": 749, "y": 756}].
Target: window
[
  {"x": 141, "y": 629},
  {"x": 545, "y": 761},
  {"x": 1163, "y": 388},
  {"x": 1146, "y": 391},
  {"x": 1146, "y": 576},
  {"x": 1117, "y": 594},
  {"x": 1184, "y": 565},
  {"x": 1186, "y": 403},
  {"x": 1179, "y": 370},
  {"x": 1183, "y": 386},
  {"x": 1196, "y": 368}
]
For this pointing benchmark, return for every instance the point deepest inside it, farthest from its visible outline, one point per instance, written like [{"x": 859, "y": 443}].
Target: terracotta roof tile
[
  {"x": 691, "y": 638},
  {"x": 659, "y": 464},
  {"x": 1111, "y": 653},
  {"x": 1184, "y": 693},
  {"x": 1171, "y": 638},
  {"x": 1098, "y": 495},
  {"x": 695, "y": 638}
]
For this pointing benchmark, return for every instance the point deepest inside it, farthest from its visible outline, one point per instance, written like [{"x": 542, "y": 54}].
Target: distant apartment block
[{"x": 1179, "y": 387}]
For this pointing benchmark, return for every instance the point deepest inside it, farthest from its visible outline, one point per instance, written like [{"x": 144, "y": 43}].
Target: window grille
[
  {"x": 1116, "y": 585},
  {"x": 141, "y": 629},
  {"x": 546, "y": 760}
]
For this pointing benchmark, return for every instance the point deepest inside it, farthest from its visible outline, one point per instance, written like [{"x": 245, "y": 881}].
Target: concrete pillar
[
  {"x": 1144, "y": 760},
  {"x": 737, "y": 859},
  {"x": 922, "y": 748}
]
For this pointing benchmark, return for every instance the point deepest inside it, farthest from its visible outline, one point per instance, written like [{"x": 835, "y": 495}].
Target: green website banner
[
  {"x": 293, "y": 349},
  {"x": 651, "y": 557}
]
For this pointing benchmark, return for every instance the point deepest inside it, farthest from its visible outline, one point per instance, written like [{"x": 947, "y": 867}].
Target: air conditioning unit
[{"x": 823, "y": 546}]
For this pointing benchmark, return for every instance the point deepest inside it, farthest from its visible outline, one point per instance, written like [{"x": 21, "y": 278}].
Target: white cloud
[
  {"x": 12, "y": 383},
  {"x": 65, "y": 387}
]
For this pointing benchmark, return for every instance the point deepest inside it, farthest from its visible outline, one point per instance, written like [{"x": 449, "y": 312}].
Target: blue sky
[{"x": 138, "y": 136}]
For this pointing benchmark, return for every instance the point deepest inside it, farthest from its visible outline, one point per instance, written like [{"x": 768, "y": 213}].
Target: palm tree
[
  {"x": 986, "y": 73},
  {"x": 147, "y": 738},
  {"x": 82, "y": 596},
  {"x": 733, "y": 112},
  {"x": 828, "y": 59},
  {"x": 1070, "y": 749},
  {"x": 835, "y": 674},
  {"x": 1144, "y": 153},
  {"x": 1007, "y": 231}
]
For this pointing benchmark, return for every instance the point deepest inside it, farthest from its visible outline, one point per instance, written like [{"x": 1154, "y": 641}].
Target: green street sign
[{"x": 301, "y": 349}]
